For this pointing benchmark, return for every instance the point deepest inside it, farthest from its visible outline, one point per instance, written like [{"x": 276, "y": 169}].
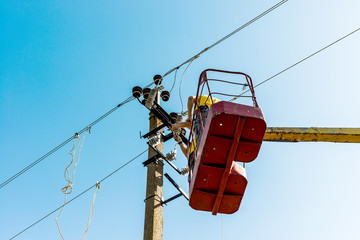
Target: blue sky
[{"x": 65, "y": 63}]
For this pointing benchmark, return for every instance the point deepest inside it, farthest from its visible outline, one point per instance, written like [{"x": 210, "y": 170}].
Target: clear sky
[{"x": 65, "y": 63}]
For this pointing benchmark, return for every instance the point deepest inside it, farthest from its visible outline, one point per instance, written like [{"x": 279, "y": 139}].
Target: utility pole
[{"x": 153, "y": 225}]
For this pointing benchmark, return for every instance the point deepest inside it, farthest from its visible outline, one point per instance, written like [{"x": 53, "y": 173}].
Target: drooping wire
[
  {"x": 78, "y": 158},
  {"x": 174, "y": 80},
  {"x": 227, "y": 36},
  {"x": 91, "y": 213},
  {"x": 67, "y": 189},
  {"x": 70, "y": 181},
  {"x": 129, "y": 99},
  {"x": 182, "y": 77},
  {"x": 302, "y": 60},
  {"x": 83, "y": 192}
]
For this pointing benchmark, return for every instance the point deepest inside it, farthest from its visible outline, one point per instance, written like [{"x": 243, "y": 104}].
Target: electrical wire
[
  {"x": 91, "y": 213},
  {"x": 70, "y": 181},
  {"x": 83, "y": 192},
  {"x": 68, "y": 188},
  {"x": 129, "y": 99},
  {"x": 174, "y": 81},
  {"x": 302, "y": 60},
  {"x": 27, "y": 168},
  {"x": 227, "y": 36},
  {"x": 182, "y": 77}
]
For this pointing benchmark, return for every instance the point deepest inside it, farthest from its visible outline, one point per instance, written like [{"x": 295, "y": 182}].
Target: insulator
[
  {"x": 136, "y": 92},
  {"x": 185, "y": 171},
  {"x": 146, "y": 92},
  {"x": 183, "y": 131},
  {"x": 173, "y": 115},
  {"x": 155, "y": 140},
  {"x": 151, "y": 98},
  {"x": 158, "y": 79},
  {"x": 165, "y": 96},
  {"x": 171, "y": 155},
  {"x": 179, "y": 118}
]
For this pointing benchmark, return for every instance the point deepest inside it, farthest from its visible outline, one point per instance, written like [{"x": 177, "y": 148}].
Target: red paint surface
[{"x": 233, "y": 132}]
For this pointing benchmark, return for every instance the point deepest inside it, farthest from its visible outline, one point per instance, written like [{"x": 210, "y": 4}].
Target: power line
[
  {"x": 129, "y": 99},
  {"x": 174, "y": 81},
  {"x": 302, "y": 60},
  {"x": 227, "y": 36},
  {"x": 182, "y": 78},
  {"x": 63, "y": 143},
  {"x": 83, "y": 192}
]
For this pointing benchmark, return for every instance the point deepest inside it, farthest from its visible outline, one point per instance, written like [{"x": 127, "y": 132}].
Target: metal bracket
[
  {"x": 164, "y": 158},
  {"x": 153, "y": 159},
  {"x": 155, "y": 195},
  {"x": 170, "y": 199},
  {"x": 155, "y": 130},
  {"x": 181, "y": 192}
]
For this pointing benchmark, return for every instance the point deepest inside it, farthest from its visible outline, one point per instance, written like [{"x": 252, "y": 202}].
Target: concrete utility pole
[{"x": 153, "y": 226}]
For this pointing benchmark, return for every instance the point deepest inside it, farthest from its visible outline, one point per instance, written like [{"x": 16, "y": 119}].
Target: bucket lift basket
[{"x": 230, "y": 133}]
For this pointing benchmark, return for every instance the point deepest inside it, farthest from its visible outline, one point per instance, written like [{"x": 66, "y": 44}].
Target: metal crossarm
[{"x": 176, "y": 186}]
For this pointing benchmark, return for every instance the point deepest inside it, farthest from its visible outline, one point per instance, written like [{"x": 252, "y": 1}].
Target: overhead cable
[
  {"x": 227, "y": 36},
  {"x": 182, "y": 77},
  {"x": 63, "y": 143},
  {"x": 302, "y": 60},
  {"x": 131, "y": 98},
  {"x": 172, "y": 87},
  {"x": 83, "y": 192}
]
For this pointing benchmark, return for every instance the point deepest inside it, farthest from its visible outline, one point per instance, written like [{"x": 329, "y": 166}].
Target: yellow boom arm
[{"x": 313, "y": 134}]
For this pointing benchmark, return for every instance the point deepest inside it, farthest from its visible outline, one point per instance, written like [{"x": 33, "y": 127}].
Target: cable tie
[
  {"x": 97, "y": 185},
  {"x": 89, "y": 129}
]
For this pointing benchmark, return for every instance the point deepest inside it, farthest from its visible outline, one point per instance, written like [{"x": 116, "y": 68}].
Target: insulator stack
[
  {"x": 165, "y": 96},
  {"x": 146, "y": 92},
  {"x": 155, "y": 140},
  {"x": 151, "y": 98},
  {"x": 179, "y": 118},
  {"x": 185, "y": 171},
  {"x": 171, "y": 155}
]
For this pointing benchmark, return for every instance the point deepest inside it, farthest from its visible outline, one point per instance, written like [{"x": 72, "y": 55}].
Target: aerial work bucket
[{"x": 230, "y": 133}]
